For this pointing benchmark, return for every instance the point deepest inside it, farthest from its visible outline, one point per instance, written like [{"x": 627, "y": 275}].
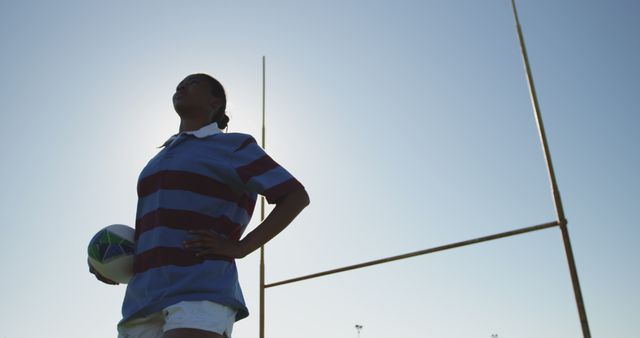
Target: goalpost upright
[{"x": 560, "y": 222}]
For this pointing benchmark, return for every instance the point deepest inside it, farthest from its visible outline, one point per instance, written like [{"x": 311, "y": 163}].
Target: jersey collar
[{"x": 208, "y": 130}]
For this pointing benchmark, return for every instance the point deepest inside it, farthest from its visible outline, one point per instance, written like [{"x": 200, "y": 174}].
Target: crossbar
[{"x": 418, "y": 253}]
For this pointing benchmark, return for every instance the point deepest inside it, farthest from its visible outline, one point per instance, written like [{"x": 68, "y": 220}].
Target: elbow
[
  {"x": 305, "y": 200},
  {"x": 301, "y": 198}
]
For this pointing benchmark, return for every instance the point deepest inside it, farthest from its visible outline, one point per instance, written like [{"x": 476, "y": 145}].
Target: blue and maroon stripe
[
  {"x": 187, "y": 220},
  {"x": 201, "y": 184},
  {"x": 163, "y": 256},
  {"x": 246, "y": 142},
  {"x": 256, "y": 168}
]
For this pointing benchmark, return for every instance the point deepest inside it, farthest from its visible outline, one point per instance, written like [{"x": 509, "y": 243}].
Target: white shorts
[{"x": 201, "y": 315}]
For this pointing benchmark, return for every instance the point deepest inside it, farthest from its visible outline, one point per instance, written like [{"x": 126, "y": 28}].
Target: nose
[
  {"x": 179, "y": 93},
  {"x": 180, "y": 87}
]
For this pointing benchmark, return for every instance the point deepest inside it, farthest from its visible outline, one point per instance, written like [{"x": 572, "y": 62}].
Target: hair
[{"x": 217, "y": 90}]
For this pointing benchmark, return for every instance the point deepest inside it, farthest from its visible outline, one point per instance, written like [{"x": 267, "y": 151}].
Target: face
[{"x": 193, "y": 96}]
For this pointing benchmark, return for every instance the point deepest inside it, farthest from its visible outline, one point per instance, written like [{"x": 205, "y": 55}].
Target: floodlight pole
[
  {"x": 262, "y": 281},
  {"x": 358, "y": 328},
  {"x": 562, "y": 221}
]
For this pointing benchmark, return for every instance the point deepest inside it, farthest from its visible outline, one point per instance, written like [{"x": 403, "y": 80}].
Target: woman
[{"x": 196, "y": 197}]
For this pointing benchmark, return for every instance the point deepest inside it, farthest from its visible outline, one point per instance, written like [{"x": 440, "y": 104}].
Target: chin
[{"x": 181, "y": 109}]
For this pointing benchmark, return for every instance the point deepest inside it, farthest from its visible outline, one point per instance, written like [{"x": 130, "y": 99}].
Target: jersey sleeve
[{"x": 257, "y": 172}]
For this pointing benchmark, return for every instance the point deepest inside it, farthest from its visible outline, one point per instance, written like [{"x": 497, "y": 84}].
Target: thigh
[{"x": 191, "y": 333}]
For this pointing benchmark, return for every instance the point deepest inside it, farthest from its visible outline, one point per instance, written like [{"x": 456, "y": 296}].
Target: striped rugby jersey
[{"x": 197, "y": 182}]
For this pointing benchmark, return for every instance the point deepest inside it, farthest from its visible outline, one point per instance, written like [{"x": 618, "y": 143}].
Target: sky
[{"x": 408, "y": 122}]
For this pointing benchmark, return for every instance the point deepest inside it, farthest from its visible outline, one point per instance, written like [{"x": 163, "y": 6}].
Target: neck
[{"x": 191, "y": 124}]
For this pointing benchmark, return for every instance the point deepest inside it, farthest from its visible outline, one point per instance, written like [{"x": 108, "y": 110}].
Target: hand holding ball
[{"x": 111, "y": 253}]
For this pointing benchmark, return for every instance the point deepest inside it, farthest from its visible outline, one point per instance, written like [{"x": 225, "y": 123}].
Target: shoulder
[{"x": 239, "y": 141}]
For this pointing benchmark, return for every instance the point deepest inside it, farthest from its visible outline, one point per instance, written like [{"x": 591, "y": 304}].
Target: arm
[{"x": 281, "y": 216}]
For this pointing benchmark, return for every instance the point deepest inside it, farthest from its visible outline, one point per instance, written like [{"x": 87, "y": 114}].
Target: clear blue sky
[{"x": 409, "y": 122}]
